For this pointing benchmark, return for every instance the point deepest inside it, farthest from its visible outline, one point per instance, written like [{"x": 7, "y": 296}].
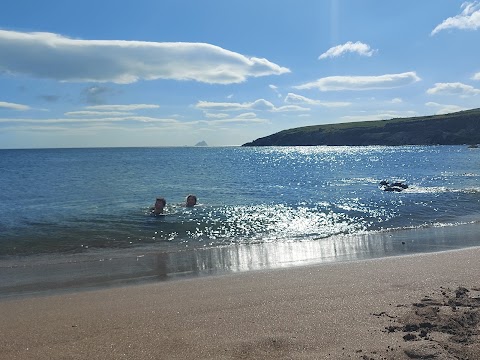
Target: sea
[{"x": 75, "y": 219}]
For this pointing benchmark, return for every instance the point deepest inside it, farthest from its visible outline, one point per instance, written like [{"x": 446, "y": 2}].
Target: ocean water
[{"x": 81, "y": 215}]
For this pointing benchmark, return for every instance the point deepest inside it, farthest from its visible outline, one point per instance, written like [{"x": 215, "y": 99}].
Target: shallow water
[{"x": 92, "y": 204}]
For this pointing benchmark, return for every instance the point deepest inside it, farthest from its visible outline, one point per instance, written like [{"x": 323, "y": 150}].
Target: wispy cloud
[
  {"x": 13, "y": 106},
  {"x": 83, "y": 122},
  {"x": 216, "y": 116},
  {"x": 88, "y": 120},
  {"x": 248, "y": 115},
  {"x": 476, "y": 76},
  {"x": 291, "y": 108},
  {"x": 249, "y": 119},
  {"x": 257, "y": 105},
  {"x": 111, "y": 110},
  {"x": 96, "y": 94},
  {"x": 336, "y": 83},
  {"x": 292, "y": 98},
  {"x": 349, "y": 47},
  {"x": 53, "y": 56},
  {"x": 275, "y": 89},
  {"x": 127, "y": 107},
  {"x": 97, "y": 113},
  {"x": 260, "y": 104},
  {"x": 468, "y": 19},
  {"x": 386, "y": 115},
  {"x": 444, "y": 109},
  {"x": 453, "y": 89}
]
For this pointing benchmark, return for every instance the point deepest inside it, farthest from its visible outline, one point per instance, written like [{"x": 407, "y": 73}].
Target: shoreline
[
  {"x": 355, "y": 309},
  {"x": 37, "y": 275}
]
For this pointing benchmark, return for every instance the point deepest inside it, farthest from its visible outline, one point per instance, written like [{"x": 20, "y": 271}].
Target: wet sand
[{"x": 418, "y": 306}]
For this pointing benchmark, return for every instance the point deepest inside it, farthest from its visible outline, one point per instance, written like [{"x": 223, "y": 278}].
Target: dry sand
[{"x": 421, "y": 306}]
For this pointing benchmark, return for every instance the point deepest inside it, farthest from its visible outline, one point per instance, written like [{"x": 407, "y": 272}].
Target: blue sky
[{"x": 175, "y": 72}]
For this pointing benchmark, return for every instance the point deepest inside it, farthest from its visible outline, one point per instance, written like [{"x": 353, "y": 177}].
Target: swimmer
[
  {"x": 191, "y": 201},
  {"x": 160, "y": 204}
]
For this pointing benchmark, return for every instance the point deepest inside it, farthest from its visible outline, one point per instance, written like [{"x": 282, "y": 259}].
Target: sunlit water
[{"x": 59, "y": 204}]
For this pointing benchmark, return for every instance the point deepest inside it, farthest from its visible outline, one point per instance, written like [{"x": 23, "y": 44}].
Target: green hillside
[{"x": 449, "y": 129}]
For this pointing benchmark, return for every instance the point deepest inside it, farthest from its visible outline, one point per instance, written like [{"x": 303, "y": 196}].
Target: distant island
[
  {"x": 201, "y": 143},
  {"x": 459, "y": 128}
]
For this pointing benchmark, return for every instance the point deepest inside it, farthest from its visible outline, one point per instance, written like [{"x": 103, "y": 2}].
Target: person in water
[
  {"x": 191, "y": 201},
  {"x": 160, "y": 204}
]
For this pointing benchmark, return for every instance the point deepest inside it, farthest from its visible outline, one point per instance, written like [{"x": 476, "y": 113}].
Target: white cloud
[
  {"x": 469, "y": 19},
  {"x": 262, "y": 104},
  {"x": 53, "y": 56},
  {"x": 476, "y": 76},
  {"x": 335, "y": 83},
  {"x": 453, "y": 89},
  {"x": 349, "y": 47},
  {"x": 396, "y": 101},
  {"x": 259, "y": 105},
  {"x": 13, "y": 106},
  {"x": 292, "y": 98},
  {"x": 445, "y": 109}
]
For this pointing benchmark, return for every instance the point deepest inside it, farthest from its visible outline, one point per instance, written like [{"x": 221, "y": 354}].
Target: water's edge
[{"x": 32, "y": 276}]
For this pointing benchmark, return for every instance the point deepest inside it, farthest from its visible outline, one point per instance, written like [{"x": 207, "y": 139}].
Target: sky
[{"x": 108, "y": 73}]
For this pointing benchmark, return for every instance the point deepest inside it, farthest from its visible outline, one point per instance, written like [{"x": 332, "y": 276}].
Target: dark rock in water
[
  {"x": 392, "y": 188},
  {"x": 397, "y": 186},
  {"x": 201, "y": 143},
  {"x": 400, "y": 185}
]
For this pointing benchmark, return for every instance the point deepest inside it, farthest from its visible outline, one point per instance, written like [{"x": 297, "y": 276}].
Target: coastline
[
  {"x": 337, "y": 310},
  {"x": 64, "y": 273}
]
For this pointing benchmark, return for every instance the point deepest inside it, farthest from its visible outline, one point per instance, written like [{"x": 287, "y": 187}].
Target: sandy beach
[{"x": 418, "y": 306}]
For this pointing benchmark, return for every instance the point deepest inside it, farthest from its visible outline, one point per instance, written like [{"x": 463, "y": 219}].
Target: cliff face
[{"x": 450, "y": 129}]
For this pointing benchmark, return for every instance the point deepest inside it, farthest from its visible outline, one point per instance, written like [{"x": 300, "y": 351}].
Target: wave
[{"x": 440, "y": 189}]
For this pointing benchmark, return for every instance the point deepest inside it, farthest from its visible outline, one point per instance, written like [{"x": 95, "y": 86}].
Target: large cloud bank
[{"x": 52, "y": 56}]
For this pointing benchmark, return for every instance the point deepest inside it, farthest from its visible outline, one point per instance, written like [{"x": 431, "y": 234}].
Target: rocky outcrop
[{"x": 396, "y": 186}]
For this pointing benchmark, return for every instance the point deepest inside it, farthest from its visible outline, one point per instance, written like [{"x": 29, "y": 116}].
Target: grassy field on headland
[{"x": 457, "y": 128}]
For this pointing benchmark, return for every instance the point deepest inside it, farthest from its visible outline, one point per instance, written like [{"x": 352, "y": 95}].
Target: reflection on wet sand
[
  {"x": 142, "y": 265},
  {"x": 237, "y": 258}
]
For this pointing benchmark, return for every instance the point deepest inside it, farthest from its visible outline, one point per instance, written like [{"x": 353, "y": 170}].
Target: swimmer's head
[
  {"x": 160, "y": 202},
  {"x": 191, "y": 201}
]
